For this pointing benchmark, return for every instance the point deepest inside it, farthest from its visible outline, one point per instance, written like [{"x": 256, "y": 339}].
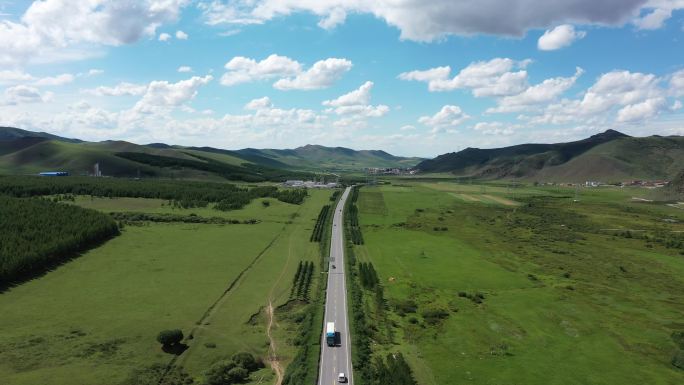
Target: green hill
[
  {"x": 26, "y": 152},
  {"x": 315, "y": 157},
  {"x": 609, "y": 156}
]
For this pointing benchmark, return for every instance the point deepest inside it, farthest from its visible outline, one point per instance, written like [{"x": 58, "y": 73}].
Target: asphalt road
[{"x": 336, "y": 359}]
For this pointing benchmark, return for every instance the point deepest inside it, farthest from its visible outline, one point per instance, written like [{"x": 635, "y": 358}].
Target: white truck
[{"x": 330, "y": 334}]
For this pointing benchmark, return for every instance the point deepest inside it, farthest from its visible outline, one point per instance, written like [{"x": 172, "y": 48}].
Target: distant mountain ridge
[
  {"x": 608, "y": 156},
  {"x": 23, "y": 151}
]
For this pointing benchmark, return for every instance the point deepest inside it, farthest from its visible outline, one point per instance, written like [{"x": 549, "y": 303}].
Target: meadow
[
  {"x": 94, "y": 319},
  {"x": 525, "y": 285}
]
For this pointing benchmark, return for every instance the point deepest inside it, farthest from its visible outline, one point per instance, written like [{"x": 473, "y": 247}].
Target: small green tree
[
  {"x": 170, "y": 337},
  {"x": 247, "y": 361}
]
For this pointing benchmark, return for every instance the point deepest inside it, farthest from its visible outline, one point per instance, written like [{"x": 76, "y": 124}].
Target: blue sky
[{"x": 414, "y": 78}]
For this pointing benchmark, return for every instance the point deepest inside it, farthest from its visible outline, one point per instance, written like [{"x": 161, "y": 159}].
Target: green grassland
[
  {"x": 569, "y": 295},
  {"x": 94, "y": 319}
]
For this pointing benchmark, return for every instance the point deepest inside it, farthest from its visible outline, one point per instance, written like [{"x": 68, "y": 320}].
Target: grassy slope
[
  {"x": 153, "y": 277},
  {"x": 612, "y": 329},
  {"x": 637, "y": 158},
  {"x": 606, "y": 158},
  {"x": 313, "y": 157}
]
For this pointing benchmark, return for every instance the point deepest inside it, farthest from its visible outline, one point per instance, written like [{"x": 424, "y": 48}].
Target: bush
[
  {"x": 678, "y": 359},
  {"x": 247, "y": 361},
  {"x": 170, "y": 337}
]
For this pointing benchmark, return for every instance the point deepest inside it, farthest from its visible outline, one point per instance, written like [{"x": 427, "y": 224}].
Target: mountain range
[
  {"x": 608, "y": 156},
  {"x": 27, "y": 152}
]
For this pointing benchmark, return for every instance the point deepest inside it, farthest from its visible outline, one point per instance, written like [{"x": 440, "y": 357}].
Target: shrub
[
  {"x": 247, "y": 361},
  {"x": 678, "y": 359},
  {"x": 170, "y": 337}
]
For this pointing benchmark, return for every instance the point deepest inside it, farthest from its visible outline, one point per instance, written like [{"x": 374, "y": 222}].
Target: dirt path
[
  {"x": 272, "y": 355},
  {"x": 272, "y": 350}
]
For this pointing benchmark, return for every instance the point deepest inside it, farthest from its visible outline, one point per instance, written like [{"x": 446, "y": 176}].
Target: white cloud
[
  {"x": 559, "y": 37},
  {"x": 449, "y": 117},
  {"x": 485, "y": 78},
  {"x": 58, "y": 80},
  {"x": 52, "y": 30},
  {"x": 180, "y": 35},
  {"x": 428, "y": 21},
  {"x": 95, "y": 72},
  {"x": 23, "y": 94},
  {"x": 164, "y": 37},
  {"x": 9, "y": 77},
  {"x": 336, "y": 17},
  {"x": 259, "y": 104},
  {"x": 494, "y": 128},
  {"x": 121, "y": 89},
  {"x": 677, "y": 83},
  {"x": 358, "y": 96},
  {"x": 162, "y": 94},
  {"x": 244, "y": 70},
  {"x": 321, "y": 75},
  {"x": 656, "y": 12},
  {"x": 184, "y": 69},
  {"x": 538, "y": 94},
  {"x": 355, "y": 105},
  {"x": 14, "y": 77},
  {"x": 641, "y": 111},
  {"x": 616, "y": 96}
]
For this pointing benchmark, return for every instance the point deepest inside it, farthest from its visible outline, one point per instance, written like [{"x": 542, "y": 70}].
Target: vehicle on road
[
  {"x": 330, "y": 334},
  {"x": 341, "y": 378},
  {"x": 334, "y": 267}
]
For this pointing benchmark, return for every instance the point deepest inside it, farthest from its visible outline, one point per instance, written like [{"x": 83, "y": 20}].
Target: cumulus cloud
[
  {"x": 356, "y": 104},
  {"x": 164, "y": 36},
  {"x": 184, "y": 69},
  {"x": 616, "y": 96},
  {"x": 421, "y": 21},
  {"x": 259, "y": 104},
  {"x": 358, "y": 96},
  {"x": 9, "y": 77},
  {"x": 559, "y": 37},
  {"x": 94, "y": 72},
  {"x": 656, "y": 13},
  {"x": 495, "y": 77},
  {"x": 14, "y": 77},
  {"x": 244, "y": 70},
  {"x": 180, "y": 35},
  {"x": 61, "y": 29},
  {"x": 494, "y": 128},
  {"x": 58, "y": 80},
  {"x": 538, "y": 94},
  {"x": 289, "y": 72},
  {"x": 162, "y": 94},
  {"x": 121, "y": 89},
  {"x": 449, "y": 117},
  {"x": 677, "y": 83},
  {"x": 321, "y": 75},
  {"x": 23, "y": 94}
]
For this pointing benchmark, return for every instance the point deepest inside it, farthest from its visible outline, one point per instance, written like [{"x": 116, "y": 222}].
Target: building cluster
[
  {"x": 646, "y": 183},
  {"x": 389, "y": 171},
  {"x": 309, "y": 184}
]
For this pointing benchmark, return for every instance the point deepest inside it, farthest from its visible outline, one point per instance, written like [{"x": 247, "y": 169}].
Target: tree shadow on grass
[{"x": 175, "y": 349}]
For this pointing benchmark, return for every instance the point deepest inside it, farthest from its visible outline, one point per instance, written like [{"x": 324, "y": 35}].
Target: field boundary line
[{"x": 210, "y": 311}]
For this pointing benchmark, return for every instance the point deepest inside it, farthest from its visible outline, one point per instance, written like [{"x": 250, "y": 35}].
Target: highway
[{"x": 336, "y": 359}]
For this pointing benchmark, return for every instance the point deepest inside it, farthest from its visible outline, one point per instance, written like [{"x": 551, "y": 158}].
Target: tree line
[
  {"x": 185, "y": 194},
  {"x": 36, "y": 234},
  {"x": 302, "y": 280},
  {"x": 353, "y": 217},
  {"x": 246, "y": 172},
  {"x": 319, "y": 228}
]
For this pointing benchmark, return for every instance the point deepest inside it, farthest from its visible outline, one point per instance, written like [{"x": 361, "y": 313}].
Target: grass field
[
  {"x": 95, "y": 319},
  {"x": 562, "y": 301}
]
